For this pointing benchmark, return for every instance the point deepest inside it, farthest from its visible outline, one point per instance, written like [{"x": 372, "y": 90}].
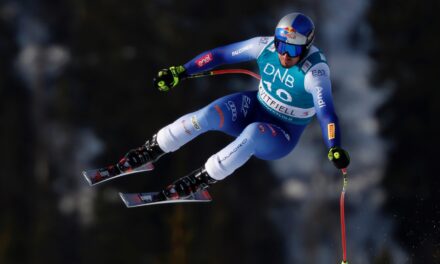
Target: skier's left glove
[
  {"x": 169, "y": 78},
  {"x": 339, "y": 157}
]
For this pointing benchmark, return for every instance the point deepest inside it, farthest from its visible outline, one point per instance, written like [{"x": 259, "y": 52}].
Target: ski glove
[
  {"x": 169, "y": 78},
  {"x": 339, "y": 157}
]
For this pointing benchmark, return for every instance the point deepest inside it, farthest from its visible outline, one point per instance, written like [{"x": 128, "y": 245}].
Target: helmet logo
[{"x": 289, "y": 32}]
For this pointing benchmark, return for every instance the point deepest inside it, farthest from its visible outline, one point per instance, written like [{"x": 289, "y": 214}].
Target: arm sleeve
[
  {"x": 317, "y": 82},
  {"x": 233, "y": 53}
]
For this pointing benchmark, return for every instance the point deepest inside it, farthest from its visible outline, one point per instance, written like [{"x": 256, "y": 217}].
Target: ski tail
[{"x": 152, "y": 198}]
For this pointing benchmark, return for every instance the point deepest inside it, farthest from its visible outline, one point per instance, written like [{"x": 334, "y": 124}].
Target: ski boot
[
  {"x": 136, "y": 160},
  {"x": 145, "y": 154},
  {"x": 186, "y": 186}
]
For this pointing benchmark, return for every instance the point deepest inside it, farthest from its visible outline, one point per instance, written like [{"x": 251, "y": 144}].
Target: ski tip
[
  {"x": 124, "y": 200},
  {"x": 84, "y": 173}
]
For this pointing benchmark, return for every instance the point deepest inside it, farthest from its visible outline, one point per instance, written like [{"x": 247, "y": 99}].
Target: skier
[{"x": 266, "y": 123}]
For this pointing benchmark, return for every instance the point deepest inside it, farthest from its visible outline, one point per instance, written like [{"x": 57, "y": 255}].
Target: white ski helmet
[{"x": 294, "y": 34}]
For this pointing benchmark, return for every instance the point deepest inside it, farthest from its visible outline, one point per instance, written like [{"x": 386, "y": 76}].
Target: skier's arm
[
  {"x": 229, "y": 54},
  {"x": 233, "y": 53},
  {"x": 317, "y": 82}
]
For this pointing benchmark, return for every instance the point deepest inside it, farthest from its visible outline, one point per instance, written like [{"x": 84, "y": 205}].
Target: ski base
[
  {"x": 153, "y": 198},
  {"x": 96, "y": 176}
]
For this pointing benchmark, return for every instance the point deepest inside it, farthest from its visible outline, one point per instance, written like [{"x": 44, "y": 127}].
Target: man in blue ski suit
[{"x": 267, "y": 123}]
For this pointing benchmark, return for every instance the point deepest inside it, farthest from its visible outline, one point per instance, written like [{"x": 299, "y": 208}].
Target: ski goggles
[{"x": 290, "y": 49}]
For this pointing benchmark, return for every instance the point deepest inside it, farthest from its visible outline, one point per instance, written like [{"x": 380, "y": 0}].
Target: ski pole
[
  {"x": 226, "y": 71},
  {"x": 341, "y": 205}
]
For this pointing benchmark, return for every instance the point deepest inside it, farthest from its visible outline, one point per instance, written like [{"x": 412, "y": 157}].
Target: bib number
[{"x": 283, "y": 94}]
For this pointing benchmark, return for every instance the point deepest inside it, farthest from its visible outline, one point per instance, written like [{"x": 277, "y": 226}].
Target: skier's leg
[
  {"x": 228, "y": 114},
  {"x": 263, "y": 140}
]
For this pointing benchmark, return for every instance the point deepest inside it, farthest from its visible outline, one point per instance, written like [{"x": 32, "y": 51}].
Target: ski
[
  {"x": 96, "y": 176},
  {"x": 153, "y": 198}
]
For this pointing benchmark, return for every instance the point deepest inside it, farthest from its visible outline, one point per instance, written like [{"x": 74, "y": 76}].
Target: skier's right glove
[
  {"x": 339, "y": 157},
  {"x": 169, "y": 78}
]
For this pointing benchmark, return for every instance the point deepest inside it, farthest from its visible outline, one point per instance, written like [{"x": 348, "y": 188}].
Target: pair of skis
[{"x": 101, "y": 175}]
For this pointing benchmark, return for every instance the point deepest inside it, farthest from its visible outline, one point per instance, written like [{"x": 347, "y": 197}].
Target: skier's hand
[
  {"x": 168, "y": 78},
  {"x": 339, "y": 157}
]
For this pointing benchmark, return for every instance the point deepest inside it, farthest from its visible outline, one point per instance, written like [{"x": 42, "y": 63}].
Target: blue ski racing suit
[{"x": 266, "y": 123}]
